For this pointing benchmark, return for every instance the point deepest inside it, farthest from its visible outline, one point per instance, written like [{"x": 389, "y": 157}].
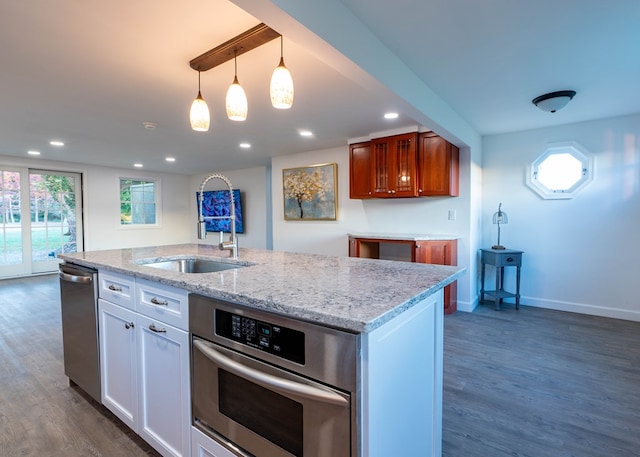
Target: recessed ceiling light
[
  {"x": 138, "y": 165},
  {"x": 245, "y": 145},
  {"x": 150, "y": 125},
  {"x": 391, "y": 115},
  {"x": 33, "y": 153},
  {"x": 170, "y": 159},
  {"x": 306, "y": 133},
  {"x": 56, "y": 143}
]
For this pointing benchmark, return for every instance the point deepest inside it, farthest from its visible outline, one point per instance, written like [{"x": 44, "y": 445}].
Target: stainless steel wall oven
[{"x": 265, "y": 385}]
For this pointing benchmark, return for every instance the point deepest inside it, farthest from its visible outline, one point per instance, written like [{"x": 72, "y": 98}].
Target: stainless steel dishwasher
[{"x": 78, "y": 299}]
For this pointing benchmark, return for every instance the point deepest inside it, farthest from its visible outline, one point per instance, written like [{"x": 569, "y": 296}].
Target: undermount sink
[{"x": 192, "y": 265}]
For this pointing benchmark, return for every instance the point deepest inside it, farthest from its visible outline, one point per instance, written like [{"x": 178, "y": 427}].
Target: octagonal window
[{"x": 561, "y": 171}]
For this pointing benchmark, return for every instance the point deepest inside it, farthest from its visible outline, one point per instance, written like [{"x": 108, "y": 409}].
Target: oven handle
[{"x": 267, "y": 380}]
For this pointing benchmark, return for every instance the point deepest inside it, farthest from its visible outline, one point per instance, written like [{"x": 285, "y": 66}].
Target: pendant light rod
[{"x": 238, "y": 45}]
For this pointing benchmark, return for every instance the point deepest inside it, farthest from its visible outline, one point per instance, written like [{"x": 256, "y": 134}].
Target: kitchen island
[{"x": 393, "y": 310}]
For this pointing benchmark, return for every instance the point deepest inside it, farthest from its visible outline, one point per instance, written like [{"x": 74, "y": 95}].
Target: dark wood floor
[
  {"x": 540, "y": 383},
  {"x": 40, "y": 415},
  {"x": 531, "y": 383}
]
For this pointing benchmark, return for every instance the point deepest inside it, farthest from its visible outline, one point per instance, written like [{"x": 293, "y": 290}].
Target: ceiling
[{"x": 92, "y": 74}]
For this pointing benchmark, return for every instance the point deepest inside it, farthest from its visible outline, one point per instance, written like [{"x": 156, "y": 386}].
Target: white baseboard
[{"x": 593, "y": 310}]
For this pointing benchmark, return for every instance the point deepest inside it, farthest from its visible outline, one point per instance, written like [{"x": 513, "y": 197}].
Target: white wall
[
  {"x": 412, "y": 215},
  {"x": 102, "y": 210},
  {"x": 101, "y": 194},
  {"x": 580, "y": 254},
  {"x": 253, "y": 185}
]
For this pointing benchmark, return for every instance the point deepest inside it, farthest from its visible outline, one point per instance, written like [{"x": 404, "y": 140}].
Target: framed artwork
[
  {"x": 217, "y": 203},
  {"x": 310, "y": 193}
]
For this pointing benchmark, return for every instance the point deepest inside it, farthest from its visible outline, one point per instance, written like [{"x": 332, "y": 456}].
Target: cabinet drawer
[
  {"x": 164, "y": 303},
  {"x": 117, "y": 288},
  {"x": 502, "y": 259}
]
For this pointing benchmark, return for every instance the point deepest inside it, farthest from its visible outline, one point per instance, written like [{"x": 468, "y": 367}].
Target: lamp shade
[
  {"x": 199, "y": 114},
  {"x": 237, "y": 106},
  {"x": 281, "y": 88},
  {"x": 554, "y": 101}
]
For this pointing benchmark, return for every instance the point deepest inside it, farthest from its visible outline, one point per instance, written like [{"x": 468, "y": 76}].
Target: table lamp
[{"x": 500, "y": 217}]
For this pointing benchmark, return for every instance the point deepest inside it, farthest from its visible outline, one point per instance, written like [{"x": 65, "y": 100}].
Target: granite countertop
[
  {"x": 352, "y": 294},
  {"x": 403, "y": 236}
]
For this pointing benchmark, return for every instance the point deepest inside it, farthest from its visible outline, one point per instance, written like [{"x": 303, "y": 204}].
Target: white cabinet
[
  {"x": 118, "y": 360},
  {"x": 203, "y": 446},
  {"x": 163, "y": 386},
  {"x": 116, "y": 288},
  {"x": 145, "y": 363},
  {"x": 164, "y": 303}
]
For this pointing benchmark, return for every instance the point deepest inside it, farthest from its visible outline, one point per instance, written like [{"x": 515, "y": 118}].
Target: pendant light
[
  {"x": 236, "y": 98},
  {"x": 281, "y": 84},
  {"x": 199, "y": 114}
]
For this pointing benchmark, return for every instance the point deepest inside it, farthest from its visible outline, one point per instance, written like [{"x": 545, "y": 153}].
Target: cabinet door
[
  {"x": 380, "y": 165},
  {"x": 360, "y": 170},
  {"x": 441, "y": 253},
  {"x": 438, "y": 166},
  {"x": 118, "y": 361},
  {"x": 163, "y": 387},
  {"x": 394, "y": 162},
  {"x": 405, "y": 165}
]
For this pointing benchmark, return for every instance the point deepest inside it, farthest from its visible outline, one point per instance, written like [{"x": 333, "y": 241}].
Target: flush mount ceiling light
[
  {"x": 554, "y": 101},
  {"x": 281, "y": 88},
  {"x": 199, "y": 114},
  {"x": 237, "y": 106}
]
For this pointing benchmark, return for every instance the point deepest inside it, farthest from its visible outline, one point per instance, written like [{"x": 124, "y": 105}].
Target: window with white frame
[
  {"x": 138, "y": 201},
  {"x": 561, "y": 171}
]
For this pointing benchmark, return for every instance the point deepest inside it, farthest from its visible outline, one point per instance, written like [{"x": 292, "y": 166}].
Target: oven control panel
[{"x": 275, "y": 339}]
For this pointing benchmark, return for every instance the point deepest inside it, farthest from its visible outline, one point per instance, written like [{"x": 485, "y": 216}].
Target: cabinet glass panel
[
  {"x": 380, "y": 167},
  {"x": 405, "y": 159}
]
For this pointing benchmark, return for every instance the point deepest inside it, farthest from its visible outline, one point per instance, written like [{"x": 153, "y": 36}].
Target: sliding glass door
[
  {"x": 41, "y": 216},
  {"x": 56, "y": 217},
  {"x": 12, "y": 239}
]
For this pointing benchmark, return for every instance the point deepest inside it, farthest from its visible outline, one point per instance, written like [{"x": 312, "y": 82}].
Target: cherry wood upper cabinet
[
  {"x": 394, "y": 166},
  {"x": 407, "y": 165},
  {"x": 438, "y": 166},
  {"x": 360, "y": 170}
]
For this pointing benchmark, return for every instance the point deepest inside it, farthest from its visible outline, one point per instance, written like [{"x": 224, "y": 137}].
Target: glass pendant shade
[
  {"x": 237, "y": 106},
  {"x": 236, "y": 102},
  {"x": 281, "y": 87},
  {"x": 199, "y": 114}
]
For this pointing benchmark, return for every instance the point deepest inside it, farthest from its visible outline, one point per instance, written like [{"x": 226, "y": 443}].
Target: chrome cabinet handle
[
  {"x": 153, "y": 328},
  {"x": 269, "y": 381},
  {"x": 129, "y": 325},
  {"x": 115, "y": 288},
  {"x": 155, "y": 301}
]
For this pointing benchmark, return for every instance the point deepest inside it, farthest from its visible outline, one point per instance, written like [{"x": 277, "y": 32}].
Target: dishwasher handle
[{"x": 77, "y": 276}]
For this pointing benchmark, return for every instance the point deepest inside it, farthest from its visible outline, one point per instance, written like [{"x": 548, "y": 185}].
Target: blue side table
[{"x": 500, "y": 258}]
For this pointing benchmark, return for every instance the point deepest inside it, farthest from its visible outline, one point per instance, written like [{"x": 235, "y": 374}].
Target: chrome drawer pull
[
  {"x": 153, "y": 328},
  {"x": 114, "y": 288},
  {"x": 155, "y": 301},
  {"x": 128, "y": 325}
]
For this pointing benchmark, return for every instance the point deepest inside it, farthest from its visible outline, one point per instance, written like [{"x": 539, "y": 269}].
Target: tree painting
[{"x": 310, "y": 192}]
